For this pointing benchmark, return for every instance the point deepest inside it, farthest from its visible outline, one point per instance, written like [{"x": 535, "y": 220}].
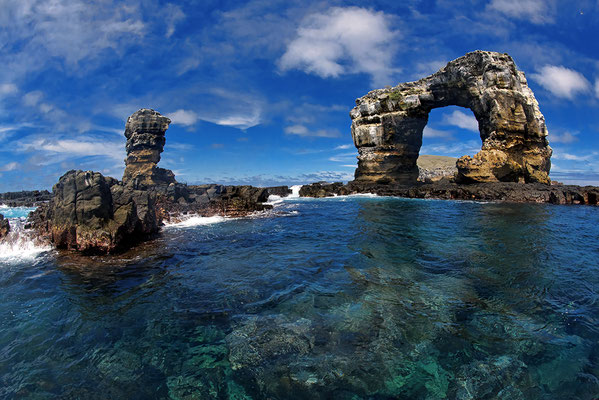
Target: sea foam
[
  {"x": 196, "y": 220},
  {"x": 20, "y": 243}
]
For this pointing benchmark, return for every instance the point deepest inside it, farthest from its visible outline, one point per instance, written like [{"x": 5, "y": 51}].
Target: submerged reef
[{"x": 387, "y": 124}]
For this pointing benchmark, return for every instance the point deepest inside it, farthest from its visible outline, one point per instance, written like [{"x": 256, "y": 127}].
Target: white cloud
[
  {"x": 536, "y": 11},
  {"x": 558, "y": 155},
  {"x": 561, "y": 81},
  {"x": 240, "y": 121},
  {"x": 344, "y": 147},
  {"x": 32, "y": 98},
  {"x": 8, "y": 89},
  {"x": 341, "y": 41},
  {"x": 69, "y": 148},
  {"x": 597, "y": 87},
  {"x": 436, "y": 133},
  {"x": 461, "y": 120},
  {"x": 11, "y": 166},
  {"x": 173, "y": 15},
  {"x": 301, "y": 130},
  {"x": 565, "y": 138},
  {"x": 344, "y": 157},
  {"x": 183, "y": 117}
]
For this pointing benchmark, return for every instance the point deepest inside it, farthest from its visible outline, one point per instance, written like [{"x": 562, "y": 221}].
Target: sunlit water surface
[{"x": 345, "y": 298}]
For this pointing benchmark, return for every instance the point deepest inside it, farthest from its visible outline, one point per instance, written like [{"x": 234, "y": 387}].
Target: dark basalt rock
[
  {"x": 279, "y": 191},
  {"x": 4, "y": 227},
  {"x": 388, "y": 124},
  {"x": 444, "y": 189},
  {"x": 96, "y": 214},
  {"x": 31, "y": 198}
]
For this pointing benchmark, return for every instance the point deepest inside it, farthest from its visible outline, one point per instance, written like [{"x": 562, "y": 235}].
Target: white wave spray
[{"x": 21, "y": 243}]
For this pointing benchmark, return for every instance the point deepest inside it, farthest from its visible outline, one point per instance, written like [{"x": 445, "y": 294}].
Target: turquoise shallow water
[{"x": 345, "y": 298}]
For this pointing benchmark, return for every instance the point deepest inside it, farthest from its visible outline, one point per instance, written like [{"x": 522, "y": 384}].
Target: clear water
[{"x": 345, "y": 298}]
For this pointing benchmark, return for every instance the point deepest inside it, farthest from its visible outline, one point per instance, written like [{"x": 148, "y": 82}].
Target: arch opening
[{"x": 450, "y": 133}]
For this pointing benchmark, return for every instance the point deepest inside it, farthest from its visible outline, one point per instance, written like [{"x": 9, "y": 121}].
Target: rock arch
[{"x": 387, "y": 124}]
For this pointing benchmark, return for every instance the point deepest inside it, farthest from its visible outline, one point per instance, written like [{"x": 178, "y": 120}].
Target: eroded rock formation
[
  {"x": 91, "y": 213},
  {"x": 145, "y": 133},
  {"x": 388, "y": 123},
  {"x": 96, "y": 214}
]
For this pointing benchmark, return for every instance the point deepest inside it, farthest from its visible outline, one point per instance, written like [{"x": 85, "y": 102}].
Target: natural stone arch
[{"x": 387, "y": 124}]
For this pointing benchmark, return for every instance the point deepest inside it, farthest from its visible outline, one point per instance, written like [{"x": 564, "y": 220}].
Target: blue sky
[{"x": 259, "y": 92}]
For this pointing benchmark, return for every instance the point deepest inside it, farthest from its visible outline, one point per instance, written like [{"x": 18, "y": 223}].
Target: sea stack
[
  {"x": 388, "y": 124},
  {"x": 145, "y": 132}
]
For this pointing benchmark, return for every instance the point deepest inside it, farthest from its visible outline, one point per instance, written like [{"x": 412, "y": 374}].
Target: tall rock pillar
[{"x": 145, "y": 132}]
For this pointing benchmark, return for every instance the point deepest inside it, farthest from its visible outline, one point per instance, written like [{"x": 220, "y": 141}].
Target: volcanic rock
[
  {"x": 95, "y": 214},
  {"x": 145, "y": 133},
  {"x": 444, "y": 189},
  {"x": 4, "y": 227},
  {"x": 29, "y": 198},
  {"x": 388, "y": 123}
]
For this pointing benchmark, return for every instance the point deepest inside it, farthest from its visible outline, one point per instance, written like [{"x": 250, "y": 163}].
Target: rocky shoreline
[{"x": 447, "y": 190}]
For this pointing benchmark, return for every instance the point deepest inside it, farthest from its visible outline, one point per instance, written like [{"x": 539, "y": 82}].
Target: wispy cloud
[
  {"x": 436, "y": 133},
  {"x": 8, "y": 89},
  {"x": 469, "y": 147},
  {"x": 344, "y": 147},
  {"x": 535, "y": 11},
  {"x": 461, "y": 120},
  {"x": 11, "y": 166},
  {"x": 565, "y": 137},
  {"x": 173, "y": 14},
  {"x": 301, "y": 130},
  {"x": 341, "y": 41},
  {"x": 183, "y": 117},
  {"x": 562, "y": 81},
  {"x": 71, "y": 148}
]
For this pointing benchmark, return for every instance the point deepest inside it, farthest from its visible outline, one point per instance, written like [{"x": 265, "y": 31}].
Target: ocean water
[{"x": 341, "y": 298}]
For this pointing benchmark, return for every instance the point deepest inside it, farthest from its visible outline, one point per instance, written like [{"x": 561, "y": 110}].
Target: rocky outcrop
[
  {"x": 388, "y": 123},
  {"x": 91, "y": 213},
  {"x": 30, "y": 198},
  {"x": 96, "y": 214},
  {"x": 4, "y": 227},
  {"x": 444, "y": 189},
  {"x": 145, "y": 133}
]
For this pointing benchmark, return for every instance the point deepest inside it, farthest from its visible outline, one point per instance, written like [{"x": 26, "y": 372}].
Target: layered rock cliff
[
  {"x": 145, "y": 132},
  {"x": 387, "y": 124}
]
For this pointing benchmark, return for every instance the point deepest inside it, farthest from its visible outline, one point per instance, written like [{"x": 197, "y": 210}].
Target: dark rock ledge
[{"x": 444, "y": 189}]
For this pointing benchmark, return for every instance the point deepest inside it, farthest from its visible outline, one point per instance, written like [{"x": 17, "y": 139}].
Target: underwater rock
[
  {"x": 4, "y": 227},
  {"x": 388, "y": 124},
  {"x": 145, "y": 133}
]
